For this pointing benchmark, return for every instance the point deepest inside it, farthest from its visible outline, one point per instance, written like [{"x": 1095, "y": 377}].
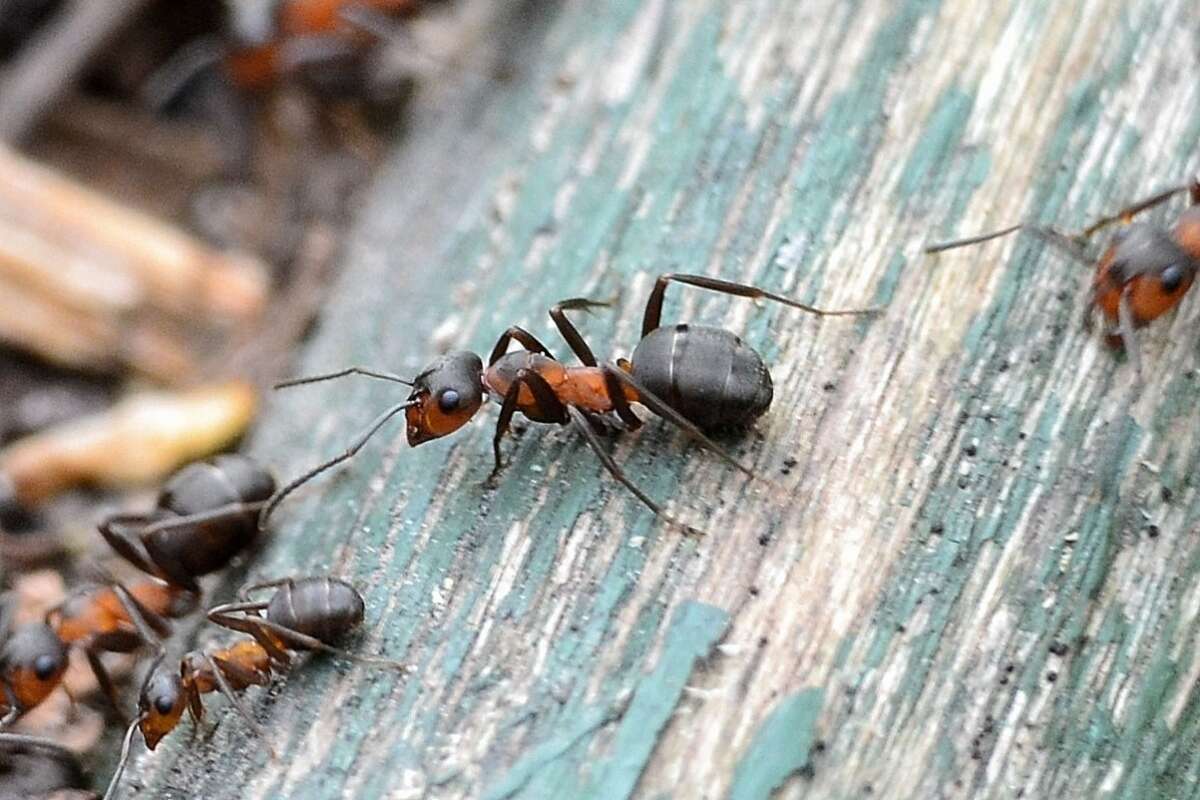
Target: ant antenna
[
  {"x": 368, "y": 373},
  {"x": 349, "y": 453},
  {"x": 126, "y": 745}
]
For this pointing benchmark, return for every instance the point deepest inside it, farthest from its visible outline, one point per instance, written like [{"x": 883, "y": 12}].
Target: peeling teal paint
[
  {"x": 695, "y": 630},
  {"x": 781, "y": 748}
]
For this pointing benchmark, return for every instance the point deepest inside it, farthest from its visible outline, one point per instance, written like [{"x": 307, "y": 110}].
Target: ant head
[
  {"x": 161, "y": 702},
  {"x": 34, "y": 660},
  {"x": 444, "y": 397}
]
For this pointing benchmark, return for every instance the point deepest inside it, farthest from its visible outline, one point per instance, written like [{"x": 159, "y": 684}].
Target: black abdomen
[
  {"x": 207, "y": 486},
  {"x": 323, "y": 608},
  {"x": 706, "y": 374}
]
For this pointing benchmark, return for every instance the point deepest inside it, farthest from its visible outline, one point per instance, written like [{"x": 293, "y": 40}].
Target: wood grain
[{"x": 979, "y": 578}]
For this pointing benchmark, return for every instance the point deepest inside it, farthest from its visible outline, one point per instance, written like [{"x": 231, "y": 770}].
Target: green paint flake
[
  {"x": 781, "y": 747},
  {"x": 695, "y": 629}
]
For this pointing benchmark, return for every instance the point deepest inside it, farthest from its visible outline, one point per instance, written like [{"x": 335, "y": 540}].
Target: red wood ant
[
  {"x": 106, "y": 618},
  {"x": 32, "y": 663},
  {"x": 304, "y": 614},
  {"x": 206, "y": 514},
  {"x": 697, "y": 377},
  {"x": 306, "y": 31},
  {"x": 1142, "y": 275},
  {"x": 32, "y": 767}
]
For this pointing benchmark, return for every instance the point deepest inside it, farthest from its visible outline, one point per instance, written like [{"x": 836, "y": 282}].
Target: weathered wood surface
[{"x": 982, "y": 581}]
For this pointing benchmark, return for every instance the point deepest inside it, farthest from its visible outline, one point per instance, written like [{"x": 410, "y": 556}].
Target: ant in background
[
  {"x": 102, "y": 618},
  {"x": 697, "y": 377},
  {"x": 303, "y": 614},
  {"x": 1142, "y": 275},
  {"x": 206, "y": 514}
]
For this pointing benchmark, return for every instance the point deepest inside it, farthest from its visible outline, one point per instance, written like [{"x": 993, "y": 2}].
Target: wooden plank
[{"x": 981, "y": 580}]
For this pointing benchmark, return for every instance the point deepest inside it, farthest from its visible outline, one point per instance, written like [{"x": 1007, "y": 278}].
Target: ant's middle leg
[
  {"x": 548, "y": 405},
  {"x": 526, "y": 340}
]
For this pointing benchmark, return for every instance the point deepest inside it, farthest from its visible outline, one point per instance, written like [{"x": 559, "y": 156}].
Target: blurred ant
[
  {"x": 306, "y": 36},
  {"x": 106, "y": 618},
  {"x": 697, "y": 377},
  {"x": 206, "y": 514},
  {"x": 1142, "y": 275},
  {"x": 34, "y": 767},
  {"x": 304, "y": 614},
  {"x": 32, "y": 663}
]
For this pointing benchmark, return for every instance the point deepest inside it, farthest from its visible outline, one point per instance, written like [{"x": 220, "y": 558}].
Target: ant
[
  {"x": 1143, "y": 273},
  {"x": 205, "y": 515},
  {"x": 32, "y": 663},
  {"x": 106, "y": 618},
  {"x": 303, "y": 614},
  {"x": 697, "y": 377},
  {"x": 33, "y": 767},
  {"x": 306, "y": 33}
]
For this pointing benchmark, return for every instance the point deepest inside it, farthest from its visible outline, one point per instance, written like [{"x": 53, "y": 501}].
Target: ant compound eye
[
  {"x": 448, "y": 401},
  {"x": 45, "y": 666},
  {"x": 163, "y": 705},
  {"x": 1171, "y": 278}
]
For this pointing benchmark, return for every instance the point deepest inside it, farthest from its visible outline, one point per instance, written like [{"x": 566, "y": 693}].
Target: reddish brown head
[
  {"x": 444, "y": 396},
  {"x": 32, "y": 664},
  {"x": 161, "y": 701}
]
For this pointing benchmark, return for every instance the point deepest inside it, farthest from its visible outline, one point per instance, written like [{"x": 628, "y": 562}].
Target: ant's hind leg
[
  {"x": 653, "y": 314},
  {"x": 569, "y": 332}
]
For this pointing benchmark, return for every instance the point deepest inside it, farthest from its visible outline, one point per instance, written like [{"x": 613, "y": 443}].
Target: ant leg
[
  {"x": 202, "y": 517},
  {"x": 152, "y": 628},
  {"x": 218, "y": 613},
  {"x": 614, "y": 375},
  {"x": 653, "y": 313},
  {"x": 14, "y": 706},
  {"x": 105, "y": 681},
  {"x": 507, "y": 409},
  {"x": 579, "y": 419},
  {"x": 116, "y": 532},
  {"x": 8, "y": 612},
  {"x": 249, "y": 625},
  {"x": 524, "y": 337},
  {"x": 1125, "y": 323},
  {"x": 568, "y": 330},
  {"x": 298, "y": 640},
  {"x": 362, "y": 439},
  {"x": 246, "y": 591},
  {"x": 369, "y": 373},
  {"x": 218, "y": 670},
  {"x": 1129, "y": 212}
]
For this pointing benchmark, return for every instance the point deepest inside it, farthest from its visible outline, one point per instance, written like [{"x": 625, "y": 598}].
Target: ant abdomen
[
  {"x": 707, "y": 374},
  {"x": 323, "y": 608},
  {"x": 232, "y": 482}
]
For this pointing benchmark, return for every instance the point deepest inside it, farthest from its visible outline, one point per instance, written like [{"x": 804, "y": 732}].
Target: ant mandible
[
  {"x": 303, "y": 614},
  {"x": 1142, "y": 275},
  {"x": 697, "y": 377}
]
